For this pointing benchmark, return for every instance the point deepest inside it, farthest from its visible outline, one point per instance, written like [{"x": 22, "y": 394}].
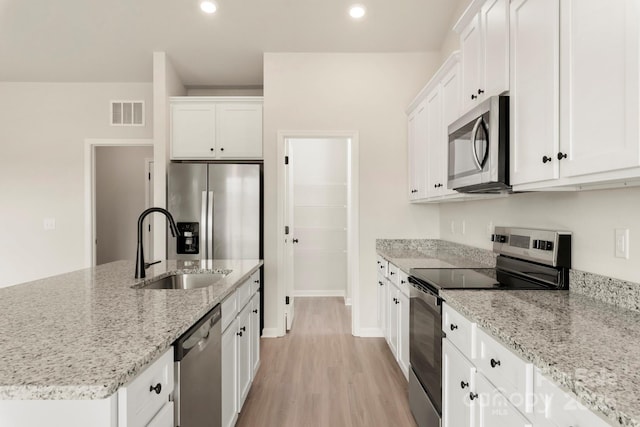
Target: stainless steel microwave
[{"x": 478, "y": 149}]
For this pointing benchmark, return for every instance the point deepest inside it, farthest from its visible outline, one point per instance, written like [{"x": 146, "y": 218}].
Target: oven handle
[
  {"x": 473, "y": 143},
  {"x": 429, "y": 297}
]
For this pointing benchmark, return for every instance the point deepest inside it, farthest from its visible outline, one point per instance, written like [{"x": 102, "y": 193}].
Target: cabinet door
[
  {"x": 493, "y": 409},
  {"x": 193, "y": 131},
  {"x": 164, "y": 418},
  {"x": 255, "y": 334},
  {"x": 244, "y": 355},
  {"x": 418, "y": 152},
  {"x": 239, "y": 130},
  {"x": 382, "y": 299},
  {"x": 435, "y": 141},
  {"x": 458, "y": 381},
  {"x": 403, "y": 333},
  {"x": 393, "y": 319},
  {"x": 534, "y": 107},
  {"x": 599, "y": 83},
  {"x": 471, "y": 47},
  {"x": 495, "y": 37},
  {"x": 450, "y": 112},
  {"x": 229, "y": 375}
]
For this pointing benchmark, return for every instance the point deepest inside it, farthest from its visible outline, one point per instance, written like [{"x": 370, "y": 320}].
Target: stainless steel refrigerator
[{"x": 218, "y": 210}]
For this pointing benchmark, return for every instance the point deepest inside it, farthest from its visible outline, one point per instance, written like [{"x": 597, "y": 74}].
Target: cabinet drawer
[
  {"x": 560, "y": 408},
  {"x": 394, "y": 274},
  {"x": 137, "y": 402},
  {"x": 512, "y": 375},
  {"x": 255, "y": 282},
  {"x": 460, "y": 331},
  {"x": 229, "y": 310},
  {"x": 244, "y": 294},
  {"x": 404, "y": 283},
  {"x": 382, "y": 265}
]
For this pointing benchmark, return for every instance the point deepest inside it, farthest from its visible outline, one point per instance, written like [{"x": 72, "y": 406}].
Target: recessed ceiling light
[
  {"x": 208, "y": 6},
  {"x": 357, "y": 11}
]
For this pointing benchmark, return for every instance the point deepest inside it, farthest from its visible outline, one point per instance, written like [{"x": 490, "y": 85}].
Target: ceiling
[{"x": 113, "y": 40}]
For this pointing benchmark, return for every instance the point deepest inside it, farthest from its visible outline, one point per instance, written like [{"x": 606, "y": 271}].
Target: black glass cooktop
[{"x": 467, "y": 278}]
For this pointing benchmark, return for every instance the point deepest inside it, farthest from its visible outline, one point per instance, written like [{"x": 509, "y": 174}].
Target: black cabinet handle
[
  {"x": 480, "y": 91},
  {"x": 561, "y": 156},
  {"x": 255, "y": 311},
  {"x": 463, "y": 384},
  {"x": 211, "y": 149},
  {"x": 256, "y": 281},
  {"x": 473, "y": 396},
  {"x": 397, "y": 301},
  {"x": 239, "y": 334},
  {"x": 221, "y": 149},
  {"x": 546, "y": 159},
  {"x": 243, "y": 328},
  {"x": 382, "y": 267},
  {"x": 495, "y": 363},
  {"x": 473, "y": 96},
  {"x": 157, "y": 388},
  {"x": 402, "y": 282},
  {"x": 392, "y": 273},
  {"x": 453, "y": 327},
  {"x": 295, "y": 240},
  {"x": 380, "y": 283}
]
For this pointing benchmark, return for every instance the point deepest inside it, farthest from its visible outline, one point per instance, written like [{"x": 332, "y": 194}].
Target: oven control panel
[{"x": 549, "y": 247}]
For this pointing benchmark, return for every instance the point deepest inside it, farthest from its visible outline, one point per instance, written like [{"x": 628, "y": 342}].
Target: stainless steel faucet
[{"x": 141, "y": 266}]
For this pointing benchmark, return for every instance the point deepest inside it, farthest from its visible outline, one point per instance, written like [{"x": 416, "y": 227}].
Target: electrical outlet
[
  {"x": 49, "y": 224},
  {"x": 622, "y": 243}
]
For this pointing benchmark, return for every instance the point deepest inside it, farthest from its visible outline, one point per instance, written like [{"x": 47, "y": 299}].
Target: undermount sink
[{"x": 185, "y": 281}]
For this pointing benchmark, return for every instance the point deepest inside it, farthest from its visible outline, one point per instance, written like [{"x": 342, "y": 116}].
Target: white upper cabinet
[
  {"x": 435, "y": 143},
  {"x": 417, "y": 150},
  {"x": 239, "y": 130},
  {"x": 534, "y": 97},
  {"x": 193, "y": 130},
  {"x": 484, "y": 42},
  {"x": 599, "y": 82},
  {"x": 450, "y": 112},
  {"x": 574, "y": 93},
  {"x": 210, "y": 128}
]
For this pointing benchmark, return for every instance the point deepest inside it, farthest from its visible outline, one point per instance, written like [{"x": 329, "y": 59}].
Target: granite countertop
[
  {"x": 82, "y": 335},
  {"x": 586, "y": 346},
  {"x": 439, "y": 254}
]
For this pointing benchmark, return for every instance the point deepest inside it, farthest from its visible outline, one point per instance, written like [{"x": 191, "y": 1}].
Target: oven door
[{"x": 425, "y": 342}]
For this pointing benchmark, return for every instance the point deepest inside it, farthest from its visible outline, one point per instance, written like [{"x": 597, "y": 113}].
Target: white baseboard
[
  {"x": 369, "y": 333},
  {"x": 323, "y": 293},
  {"x": 270, "y": 333}
]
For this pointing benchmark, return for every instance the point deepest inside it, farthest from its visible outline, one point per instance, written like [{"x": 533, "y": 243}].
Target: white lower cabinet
[
  {"x": 240, "y": 348},
  {"x": 229, "y": 385},
  {"x": 492, "y": 387},
  {"x": 164, "y": 418},
  {"x": 255, "y": 334},
  {"x": 393, "y": 314}
]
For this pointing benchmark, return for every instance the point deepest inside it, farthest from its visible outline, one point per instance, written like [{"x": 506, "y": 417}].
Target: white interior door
[
  {"x": 289, "y": 311},
  {"x": 318, "y": 206},
  {"x": 148, "y": 223}
]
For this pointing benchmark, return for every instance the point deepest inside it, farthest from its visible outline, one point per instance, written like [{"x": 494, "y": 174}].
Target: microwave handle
[{"x": 473, "y": 143}]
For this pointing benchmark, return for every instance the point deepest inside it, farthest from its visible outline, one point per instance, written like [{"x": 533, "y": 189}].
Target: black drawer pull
[
  {"x": 473, "y": 396},
  {"x": 495, "y": 363},
  {"x": 453, "y": 327},
  {"x": 157, "y": 388},
  {"x": 463, "y": 384},
  {"x": 239, "y": 334},
  {"x": 244, "y": 328},
  {"x": 255, "y": 311}
]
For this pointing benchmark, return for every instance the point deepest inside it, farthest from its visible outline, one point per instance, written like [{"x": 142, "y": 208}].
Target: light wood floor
[{"x": 320, "y": 375}]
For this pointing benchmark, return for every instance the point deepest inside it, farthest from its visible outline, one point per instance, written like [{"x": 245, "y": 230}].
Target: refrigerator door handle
[
  {"x": 210, "y": 226},
  {"x": 203, "y": 221}
]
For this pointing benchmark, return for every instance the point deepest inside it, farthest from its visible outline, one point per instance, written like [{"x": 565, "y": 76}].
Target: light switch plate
[
  {"x": 622, "y": 243},
  {"x": 49, "y": 224}
]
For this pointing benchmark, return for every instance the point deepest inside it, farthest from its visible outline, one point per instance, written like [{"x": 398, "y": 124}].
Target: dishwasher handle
[{"x": 198, "y": 336}]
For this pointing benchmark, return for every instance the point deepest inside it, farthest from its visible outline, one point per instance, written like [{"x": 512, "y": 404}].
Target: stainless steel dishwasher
[{"x": 197, "y": 394}]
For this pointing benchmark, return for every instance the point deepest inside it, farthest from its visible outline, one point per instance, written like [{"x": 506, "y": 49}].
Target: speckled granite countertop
[
  {"x": 84, "y": 334},
  {"x": 588, "y": 347},
  {"x": 431, "y": 253}
]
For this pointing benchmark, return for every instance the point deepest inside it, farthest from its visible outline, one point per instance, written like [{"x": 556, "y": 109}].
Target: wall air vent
[{"x": 127, "y": 113}]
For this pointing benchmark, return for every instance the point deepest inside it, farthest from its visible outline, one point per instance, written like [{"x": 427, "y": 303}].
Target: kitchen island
[{"x": 84, "y": 334}]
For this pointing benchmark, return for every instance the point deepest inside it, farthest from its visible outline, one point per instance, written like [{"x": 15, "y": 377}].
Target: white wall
[
  {"x": 592, "y": 216},
  {"x": 120, "y": 192},
  {"x": 452, "y": 39},
  {"x": 42, "y": 131},
  {"x": 367, "y": 93},
  {"x": 166, "y": 83}
]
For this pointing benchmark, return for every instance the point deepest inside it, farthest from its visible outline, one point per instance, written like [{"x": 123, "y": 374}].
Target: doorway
[
  {"x": 318, "y": 195},
  {"x": 119, "y": 186}
]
